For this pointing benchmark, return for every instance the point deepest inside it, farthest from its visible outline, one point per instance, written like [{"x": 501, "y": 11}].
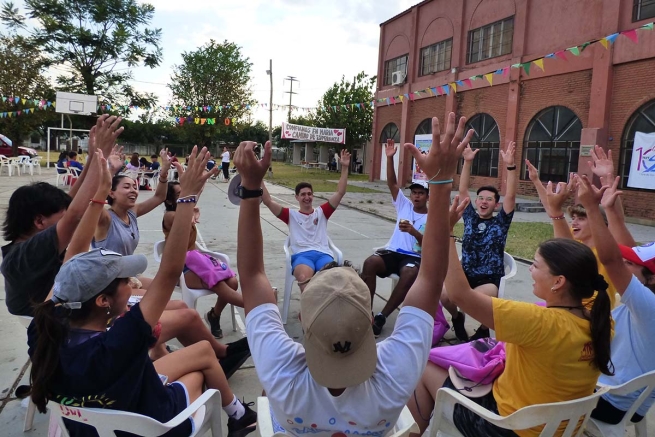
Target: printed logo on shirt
[
  {"x": 93, "y": 401},
  {"x": 587, "y": 353},
  {"x": 339, "y": 348}
]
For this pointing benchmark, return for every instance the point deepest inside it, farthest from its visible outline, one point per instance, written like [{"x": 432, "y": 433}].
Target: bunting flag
[
  {"x": 603, "y": 42},
  {"x": 490, "y": 78},
  {"x": 539, "y": 63},
  {"x": 453, "y": 85},
  {"x": 632, "y": 34},
  {"x": 575, "y": 50}
]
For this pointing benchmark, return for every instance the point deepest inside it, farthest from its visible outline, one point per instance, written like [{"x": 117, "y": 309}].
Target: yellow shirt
[
  {"x": 548, "y": 357},
  {"x": 611, "y": 289}
]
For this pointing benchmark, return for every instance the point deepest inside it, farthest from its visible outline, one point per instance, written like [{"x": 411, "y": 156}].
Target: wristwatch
[{"x": 244, "y": 193}]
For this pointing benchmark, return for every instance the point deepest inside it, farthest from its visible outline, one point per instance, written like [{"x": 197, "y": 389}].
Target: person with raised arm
[
  {"x": 485, "y": 235},
  {"x": 402, "y": 255},
  {"x": 632, "y": 269},
  {"x": 553, "y": 353},
  {"x": 77, "y": 361},
  {"x": 40, "y": 223},
  {"x": 339, "y": 380},
  {"x": 308, "y": 226}
]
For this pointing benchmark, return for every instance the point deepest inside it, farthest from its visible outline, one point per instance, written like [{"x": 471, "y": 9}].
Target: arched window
[
  {"x": 552, "y": 144},
  {"x": 486, "y": 137},
  {"x": 390, "y": 132},
  {"x": 643, "y": 120},
  {"x": 425, "y": 128}
]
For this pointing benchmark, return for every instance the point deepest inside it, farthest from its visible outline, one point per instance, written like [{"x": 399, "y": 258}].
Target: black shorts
[
  {"x": 476, "y": 281},
  {"x": 472, "y": 425},
  {"x": 394, "y": 261},
  {"x": 608, "y": 413}
]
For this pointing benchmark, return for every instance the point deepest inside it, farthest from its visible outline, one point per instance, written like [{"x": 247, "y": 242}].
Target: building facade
[{"x": 600, "y": 96}]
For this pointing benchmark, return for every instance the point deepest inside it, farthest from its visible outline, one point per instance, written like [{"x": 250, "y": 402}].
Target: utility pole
[
  {"x": 291, "y": 93},
  {"x": 270, "y": 103}
]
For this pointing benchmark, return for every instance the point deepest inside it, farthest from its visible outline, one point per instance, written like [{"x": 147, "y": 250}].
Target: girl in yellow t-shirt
[{"x": 553, "y": 353}]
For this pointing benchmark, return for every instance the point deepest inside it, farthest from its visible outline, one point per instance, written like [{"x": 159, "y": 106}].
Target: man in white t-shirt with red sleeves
[{"x": 308, "y": 225}]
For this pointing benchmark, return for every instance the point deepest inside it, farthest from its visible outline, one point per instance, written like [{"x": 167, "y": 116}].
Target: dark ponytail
[
  {"x": 170, "y": 203},
  {"x": 578, "y": 264},
  {"x": 51, "y": 332}
]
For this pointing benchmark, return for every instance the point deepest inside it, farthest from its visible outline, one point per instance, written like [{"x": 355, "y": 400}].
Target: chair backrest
[
  {"x": 510, "y": 265},
  {"x": 159, "y": 250},
  {"x": 550, "y": 416},
  {"x": 645, "y": 383}
]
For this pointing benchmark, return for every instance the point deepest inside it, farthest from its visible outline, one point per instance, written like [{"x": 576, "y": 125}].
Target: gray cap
[{"x": 87, "y": 274}]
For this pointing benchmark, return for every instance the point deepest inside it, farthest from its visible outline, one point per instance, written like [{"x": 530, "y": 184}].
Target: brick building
[{"x": 600, "y": 97}]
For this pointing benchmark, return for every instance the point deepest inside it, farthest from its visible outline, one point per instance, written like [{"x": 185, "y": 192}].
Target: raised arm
[
  {"x": 556, "y": 196},
  {"x": 80, "y": 180},
  {"x": 439, "y": 165},
  {"x": 335, "y": 199},
  {"x": 390, "y": 150},
  {"x": 191, "y": 182},
  {"x": 106, "y": 131},
  {"x": 608, "y": 250},
  {"x": 272, "y": 205},
  {"x": 509, "y": 201},
  {"x": 160, "y": 193},
  {"x": 465, "y": 176},
  {"x": 250, "y": 243}
]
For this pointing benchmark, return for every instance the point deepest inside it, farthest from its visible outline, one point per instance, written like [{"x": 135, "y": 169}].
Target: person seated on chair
[
  {"x": 77, "y": 361},
  {"x": 554, "y": 353},
  {"x": 485, "y": 235},
  {"x": 155, "y": 164},
  {"x": 342, "y": 381},
  {"x": 134, "y": 165},
  {"x": 39, "y": 224},
  {"x": 402, "y": 255},
  {"x": 72, "y": 161},
  {"x": 62, "y": 162},
  {"x": 632, "y": 269},
  {"x": 308, "y": 225},
  {"x": 216, "y": 275}
]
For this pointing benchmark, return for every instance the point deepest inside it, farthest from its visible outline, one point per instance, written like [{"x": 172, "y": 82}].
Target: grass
[
  {"x": 290, "y": 175},
  {"x": 523, "y": 238}
]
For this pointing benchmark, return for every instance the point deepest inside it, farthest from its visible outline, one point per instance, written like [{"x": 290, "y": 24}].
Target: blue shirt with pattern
[{"x": 483, "y": 243}]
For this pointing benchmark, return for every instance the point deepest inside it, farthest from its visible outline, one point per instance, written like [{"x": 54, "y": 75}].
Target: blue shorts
[{"x": 312, "y": 258}]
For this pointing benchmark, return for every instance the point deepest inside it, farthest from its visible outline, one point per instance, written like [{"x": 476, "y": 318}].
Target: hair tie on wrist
[
  {"x": 99, "y": 202},
  {"x": 446, "y": 181},
  {"x": 559, "y": 217}
]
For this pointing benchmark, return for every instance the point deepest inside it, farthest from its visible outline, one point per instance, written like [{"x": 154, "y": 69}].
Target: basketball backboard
[{"x": 73, "y": 103}]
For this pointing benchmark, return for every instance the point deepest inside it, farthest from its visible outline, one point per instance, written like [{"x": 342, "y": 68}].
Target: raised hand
[
  {"x": 107, "y": 130},
  {"x": 601, "y": 164},
  {"x": 533, "y": 173},
  {"x": 251, "y": 169},
  {"x": 457, "y": 210},
  {"x": 611, "y": 193},
  {"x": 469, "y": 154},
  {"x": 102, "y": 167},
  {"x": 165, "y": 161},
  {"x": 92, "y": 143},
  {"x": 440, "y": 163},
  {"x": 344, "y": 158},
  {"x": 390, "y": 148},
  {"x": 193, "y": 179},
  {"x": 508, "y": 154},
  {"x": 558, "y": 194},
  {"x": 588, "y": 195}
]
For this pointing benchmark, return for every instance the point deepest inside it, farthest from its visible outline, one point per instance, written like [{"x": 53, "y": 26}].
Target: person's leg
[
  {"x": 322, "y": 261},
  {"x": 145, "y": 282},
  {"x": 421, "y": 403},
  {"x": 226, "y": 290},
  {"x": 373, "y": 267},
  {"x": 188, "y": 328},
  {"x": 226, "y": 173},
  {"x": 407, "y": 274},
  {"x": 303, "y": 273},
  {"x": 458, "y": 318},
  {"x": 490, "y": 290}
]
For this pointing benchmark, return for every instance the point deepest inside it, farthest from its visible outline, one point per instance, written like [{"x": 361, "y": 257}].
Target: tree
[
  {"x": 21, "y": 75},
  {"x": 90, "y": 38},
  {"x": 214, "y": 82},
  {"x": 358, "y": 122}
]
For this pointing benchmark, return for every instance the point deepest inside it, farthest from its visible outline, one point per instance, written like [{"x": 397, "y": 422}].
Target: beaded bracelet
[
  {"x": 559, "y": 217},
  {"x": 446, "y": 181},
  {"x": 99, "y": 202},
  {"x": 188, "y": 199}
]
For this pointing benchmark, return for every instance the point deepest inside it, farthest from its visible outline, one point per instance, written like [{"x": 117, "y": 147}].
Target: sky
[{"x": 317, "y": 41}]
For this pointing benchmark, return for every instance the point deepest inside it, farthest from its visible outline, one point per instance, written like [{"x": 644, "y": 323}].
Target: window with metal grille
[
  {"x": 436, "y": 57},
  {"x": 486, "y": 137},
  {"x": 643, "y": 120},
  {"x": 396, "y": 64},
  {"x": 424, "y": 128},
  {"x": 643, "y": 9},
  {"x": 390, "y": 132},
  {"x": 552, "y": 144},
  {"x": 489, "y": 41}
]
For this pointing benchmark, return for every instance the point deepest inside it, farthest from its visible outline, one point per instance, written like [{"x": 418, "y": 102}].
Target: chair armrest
[
  {"x": 211, "y": 398},
  {"x": 264, "y": 421},
  {"x": 218, "y": 255}
]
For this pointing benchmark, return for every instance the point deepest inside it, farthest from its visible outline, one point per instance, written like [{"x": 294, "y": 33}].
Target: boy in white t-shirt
[
  {"x": 308, "y": 225},
  {"x": 339, "y": 380},
  {"x": 402, "y": 256},
  {"x": 225, "y": 164}
]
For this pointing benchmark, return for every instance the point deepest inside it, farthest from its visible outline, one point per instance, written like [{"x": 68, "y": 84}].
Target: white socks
[{"x": 235, "y": 409}]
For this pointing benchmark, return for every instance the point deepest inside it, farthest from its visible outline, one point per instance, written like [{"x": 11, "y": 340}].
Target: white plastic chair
[
  {"x": 207, "y": 409},
  {"x": 403, "y": 427},
  {"x": 190, "y": 296},
  {"x": 601, "y": 429},
  {"x": 548, "y": 415},
  {"x": 6, "y": 163},
  {"x": 289, "y": 278},
  {"x": 152, "y": 180},
  {"x": 31, "y": 407},
  {"x": 35, "y": 162},
  {"x": 510, "y": 271}
]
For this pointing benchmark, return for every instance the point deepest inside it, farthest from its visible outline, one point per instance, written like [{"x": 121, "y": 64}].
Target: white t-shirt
[
  {"x": 302, "y": 407},
  {"x": 632, "y": 348},
  {"x": 225, "y": 157},
  {"x": 308, "y": 231},
  {"x": 403, "y": 241}
]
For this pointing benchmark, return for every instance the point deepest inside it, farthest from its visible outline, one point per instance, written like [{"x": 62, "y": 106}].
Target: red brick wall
[
  {"x": 421, "y": 109},
  {"x": 630, "y": 91}
]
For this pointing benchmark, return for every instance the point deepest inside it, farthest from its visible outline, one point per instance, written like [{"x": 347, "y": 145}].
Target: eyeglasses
[{"x": 488, "y": 199}]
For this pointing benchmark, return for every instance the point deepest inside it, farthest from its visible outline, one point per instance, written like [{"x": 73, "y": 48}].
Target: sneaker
[
  {"x": 236, "y": 354},
  {"x": 214, "y": 323},
  {"x": 378, "y": 323},
  {"x": 480, "y": 333},
  {"x": 243, "y": 426},
  {"x": 238, "y": 346},
  {"x": 460, "y": 329}
]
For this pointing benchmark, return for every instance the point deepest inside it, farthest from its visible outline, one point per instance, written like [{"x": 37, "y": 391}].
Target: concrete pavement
[{"x": 362, "y": 224}]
